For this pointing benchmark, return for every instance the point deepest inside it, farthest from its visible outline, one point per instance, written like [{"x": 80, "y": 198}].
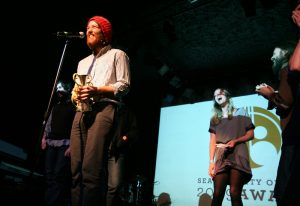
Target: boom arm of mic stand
[{"x": 38, "y": 150}]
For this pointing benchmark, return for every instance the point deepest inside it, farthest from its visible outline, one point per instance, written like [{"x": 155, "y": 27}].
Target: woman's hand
[
  {"x": 211, "y": 169},
  {"x": 44, "y": 142},
  {"x": 68, "y": 152},
  {"x": 231, "y": 144}
]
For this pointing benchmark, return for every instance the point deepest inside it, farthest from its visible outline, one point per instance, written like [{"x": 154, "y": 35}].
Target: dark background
[{"x": 205, "y": 44}]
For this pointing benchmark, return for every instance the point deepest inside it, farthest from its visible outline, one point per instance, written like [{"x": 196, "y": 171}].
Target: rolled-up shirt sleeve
[{"x": 122, "y": 84}]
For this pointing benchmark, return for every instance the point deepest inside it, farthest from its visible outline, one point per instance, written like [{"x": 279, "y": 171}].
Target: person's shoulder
[
  {"x": 241, "y": 111},
  {"x": 117, "y": 51}
]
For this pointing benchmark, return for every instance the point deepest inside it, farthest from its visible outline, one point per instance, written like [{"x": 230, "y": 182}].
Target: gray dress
[{"x": 226, "y": 130}]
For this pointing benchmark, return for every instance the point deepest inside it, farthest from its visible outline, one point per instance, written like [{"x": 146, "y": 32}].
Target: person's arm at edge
[
  {"x": 295, "y": 58},
  {"x": 212, "y": 148}
]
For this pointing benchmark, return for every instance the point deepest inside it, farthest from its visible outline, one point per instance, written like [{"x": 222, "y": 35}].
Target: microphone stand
[{"x": 47, "y": 113}]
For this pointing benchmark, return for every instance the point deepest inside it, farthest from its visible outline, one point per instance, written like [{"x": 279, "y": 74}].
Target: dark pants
[
  {"x": 90, "y": 134},
  {"x": 115, "y": 177},
  {"x": 58, "y": 176},
  {"x": 288, "y": 179}
]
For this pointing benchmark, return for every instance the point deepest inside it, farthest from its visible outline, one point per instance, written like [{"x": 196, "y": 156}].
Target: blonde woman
[{"x": 230, "y": 129}]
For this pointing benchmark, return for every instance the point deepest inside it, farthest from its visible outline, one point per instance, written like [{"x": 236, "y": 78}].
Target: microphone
[{"x": 70, "y": 35}]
